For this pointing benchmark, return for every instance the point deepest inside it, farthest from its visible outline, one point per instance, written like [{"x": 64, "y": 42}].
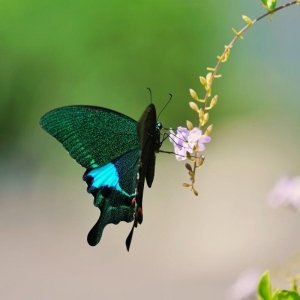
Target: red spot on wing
[{"x": 133, "y": 201}]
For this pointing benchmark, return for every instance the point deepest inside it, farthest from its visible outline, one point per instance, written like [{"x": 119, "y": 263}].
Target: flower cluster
[
  {"x": 187, "y": 141},
  {"x": 191, "y": 140}
]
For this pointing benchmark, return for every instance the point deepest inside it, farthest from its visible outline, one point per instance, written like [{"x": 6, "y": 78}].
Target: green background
[{"x": 106, "y": 53}]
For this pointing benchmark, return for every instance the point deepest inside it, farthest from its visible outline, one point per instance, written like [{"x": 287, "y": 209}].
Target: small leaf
[
  {"x": 264, "y": 286},
  {"x": 269, "y": 4},
  {"x": 195, "y": 192},
  {"x": 247, "y": 20}
]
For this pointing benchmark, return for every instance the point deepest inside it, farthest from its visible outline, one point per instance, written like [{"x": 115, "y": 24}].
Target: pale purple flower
[
  {"x": 180, "y": 142},
  {"x": 197, "y": 137},
  {"x": 286, "y": 192},
  {"x": 245, "y": 286},
  {"x": 185, "y": 140}
]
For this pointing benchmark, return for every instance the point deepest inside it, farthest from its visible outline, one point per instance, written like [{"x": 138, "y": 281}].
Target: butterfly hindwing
[{"x": 113, "y": 186}]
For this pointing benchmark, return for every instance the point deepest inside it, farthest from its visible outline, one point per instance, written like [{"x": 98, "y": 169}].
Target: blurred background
[{"x": 106, "y": 53}]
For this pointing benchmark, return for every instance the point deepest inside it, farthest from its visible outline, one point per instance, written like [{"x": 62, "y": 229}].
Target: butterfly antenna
[
  {"x": 150, "y": 94},
  {"x": 165, "y": 106}
]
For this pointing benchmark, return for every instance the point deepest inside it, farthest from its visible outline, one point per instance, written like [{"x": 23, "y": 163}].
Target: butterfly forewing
[{"x": 92, "y": 135}]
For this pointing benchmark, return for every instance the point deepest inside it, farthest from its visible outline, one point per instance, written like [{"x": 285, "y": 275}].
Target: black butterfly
[{"x": 118, "y": 154}]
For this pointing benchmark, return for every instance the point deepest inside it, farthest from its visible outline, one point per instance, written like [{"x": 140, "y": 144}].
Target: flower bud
[
  {"x": 209, "y": 78},
  {"x": 194, "y": 106},
  {"x": 193, "y": 94},
  {"x": 195, "y": 192},
  {"x": 205, "y": 118},
  {"x": 189, "y": 125},
  {"x": 201, "y": 113},
  {"x": 203, "y": 81},
  {"x": 214, "y": 101},
  {"x": 200, "y": 161},
  {"x": 189, "y": 167},
  {"x": 208, "y": 130}
]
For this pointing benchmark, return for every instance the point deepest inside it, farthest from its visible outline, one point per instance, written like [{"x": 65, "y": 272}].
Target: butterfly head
[{"x": 159, "y": 126}]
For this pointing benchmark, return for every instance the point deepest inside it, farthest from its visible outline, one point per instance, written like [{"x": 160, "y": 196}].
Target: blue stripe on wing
[{"x": 104, "y": 176}]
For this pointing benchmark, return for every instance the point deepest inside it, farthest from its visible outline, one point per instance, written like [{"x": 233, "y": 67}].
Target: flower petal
[
  {"x": 195, "y": 135},
  {"x": 204, "y": 139}
]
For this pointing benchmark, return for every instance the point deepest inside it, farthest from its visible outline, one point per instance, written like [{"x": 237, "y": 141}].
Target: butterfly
[{"x": 118, "y": 154}]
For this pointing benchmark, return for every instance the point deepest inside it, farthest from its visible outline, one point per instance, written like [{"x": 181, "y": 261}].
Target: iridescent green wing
[{"x": 92, "y": 135}]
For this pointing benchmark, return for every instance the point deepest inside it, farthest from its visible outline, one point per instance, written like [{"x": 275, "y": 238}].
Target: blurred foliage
[
  {"x": 106, "y": 53},
  {"x": 265, "y": 291}
]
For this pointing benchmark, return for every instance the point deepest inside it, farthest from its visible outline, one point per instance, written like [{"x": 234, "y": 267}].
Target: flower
[
  {"x": 245, "y": 286},
  {"x": 286, "y": 192},
  {"x": 186, "y": 140},
  {"x": 181, "y": 145},
  {"x": 197, "y": 137}
]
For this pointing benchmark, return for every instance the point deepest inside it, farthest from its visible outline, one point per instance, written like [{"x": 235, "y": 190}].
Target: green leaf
[
  {"x": 269, "y": 4},
  {"x": 286, "y": 295},
  {"x": 264, "y": 287},
  {"x": 247, "y": 20}
]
